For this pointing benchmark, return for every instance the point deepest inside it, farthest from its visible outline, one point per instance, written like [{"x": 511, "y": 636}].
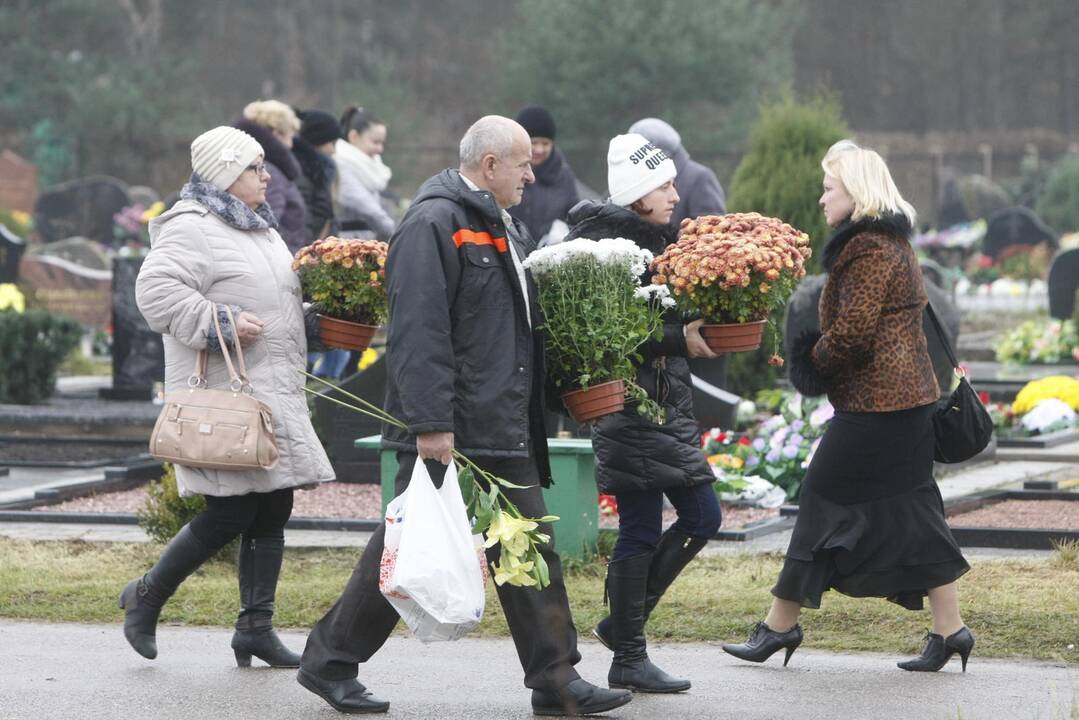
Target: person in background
[
  {"x": 273, "y": 124},
  {"x": 314, "y": 148},
  {"x": 698, "y": 186},
  {"x": 218, "y": 246},
  {"x": 870, "y": 518},
  {"x": 547, "y": 202},
  {"x": 640, "y": 460},
  {"x": 362, "y": 177}
]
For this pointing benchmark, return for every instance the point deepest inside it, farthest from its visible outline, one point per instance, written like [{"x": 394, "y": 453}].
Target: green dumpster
[{"x": 572, "y": 497}]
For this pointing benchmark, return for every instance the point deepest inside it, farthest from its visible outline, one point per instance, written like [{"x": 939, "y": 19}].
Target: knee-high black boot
[
  {"x": 627, "y": 589},
  {"x": 258, "y": 567},
  {"x": 673, "y": 553},
  {"x": 143, "y": 597}
]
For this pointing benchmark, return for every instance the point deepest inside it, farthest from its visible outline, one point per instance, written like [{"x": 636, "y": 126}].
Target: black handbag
[{"x": 961, "y": 423}]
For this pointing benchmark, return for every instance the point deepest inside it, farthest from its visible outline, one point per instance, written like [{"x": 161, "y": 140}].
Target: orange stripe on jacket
[{"x": 464, "y": 235}]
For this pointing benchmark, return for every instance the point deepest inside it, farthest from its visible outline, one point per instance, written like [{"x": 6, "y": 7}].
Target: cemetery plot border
[{"x": 1010, "y": 538}]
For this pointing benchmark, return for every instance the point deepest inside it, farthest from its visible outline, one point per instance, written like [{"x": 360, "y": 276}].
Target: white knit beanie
[
  {"x": 221, "y": 154},
  {"x": 635, "y": 167}
]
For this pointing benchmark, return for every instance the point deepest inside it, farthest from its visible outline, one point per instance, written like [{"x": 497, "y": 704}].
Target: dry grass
[{"x": 1017, "y": 608}]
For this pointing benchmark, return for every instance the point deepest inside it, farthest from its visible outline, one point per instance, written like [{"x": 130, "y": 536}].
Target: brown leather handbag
[{"x": 216, "y": 429}]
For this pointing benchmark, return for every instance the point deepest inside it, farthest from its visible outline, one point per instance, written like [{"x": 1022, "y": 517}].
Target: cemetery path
[{"x": 88, "y": 672}]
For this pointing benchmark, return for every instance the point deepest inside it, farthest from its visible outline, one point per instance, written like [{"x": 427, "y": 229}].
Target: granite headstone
[
  {"x": 11, "y": 250},
  {"x": 1016, "y": 226},
  {"x": 60, "y": 286},
  {"x": 1063, "y": 282},
  {"x": 81, "y": 207},
  {"x": 138, "y": 355},
  {"x": 338, "y": 427},
  {"x": 803, "y": 316}
]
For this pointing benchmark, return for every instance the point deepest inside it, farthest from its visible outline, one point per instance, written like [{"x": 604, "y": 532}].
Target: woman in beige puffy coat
[{"x": 219, "y": 247}]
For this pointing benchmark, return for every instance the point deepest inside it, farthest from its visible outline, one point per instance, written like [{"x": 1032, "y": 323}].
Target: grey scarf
[{"x": 227, "y": 206}]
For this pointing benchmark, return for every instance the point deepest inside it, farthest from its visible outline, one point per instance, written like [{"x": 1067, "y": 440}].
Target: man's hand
[
  {"x": 695, "y": 345},
  {"x": 248, "y": 328},
  {"x": 435, "y": 446}
]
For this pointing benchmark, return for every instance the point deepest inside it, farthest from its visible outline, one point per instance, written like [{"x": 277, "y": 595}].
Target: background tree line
[{"x": 121, "y": 86}]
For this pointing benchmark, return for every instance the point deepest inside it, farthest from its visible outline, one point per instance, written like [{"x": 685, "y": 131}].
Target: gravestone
[
  {"x": 138, "y": 355},
  {"x": 82, "y": 207},
  {"x": 18, "y": 182},
  {"x": 11, "y": 250},
  {"x": 1063, "y": 282},
  {"x": 78, "y": 250},
  {"x": 802, "y": 316},
  {"x": 338, "y": 427},
  {"x": 1016, "y": 226},
  {"x": 60, "y": 286},
  {"x": 981, "y": 196},
  {"x": 952, "y": 209}
]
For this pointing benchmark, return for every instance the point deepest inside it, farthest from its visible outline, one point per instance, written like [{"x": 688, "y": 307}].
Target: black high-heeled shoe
[
  {"x": 764, "y": 642},
  {"x": 938, "y": 650}
]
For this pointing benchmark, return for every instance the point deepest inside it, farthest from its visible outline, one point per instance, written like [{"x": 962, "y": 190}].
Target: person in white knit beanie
[
  {"x": 636, "y": 167},
  {"x": 220, "y": 155}
]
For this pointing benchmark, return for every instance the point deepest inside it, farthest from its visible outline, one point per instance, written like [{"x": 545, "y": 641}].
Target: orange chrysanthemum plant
[
  {"x": 733, "y": 270},
  {"x": 347, "y": 279}
]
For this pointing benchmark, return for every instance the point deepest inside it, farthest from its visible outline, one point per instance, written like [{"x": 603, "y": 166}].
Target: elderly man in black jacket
[{"x": 465, "y": 371}]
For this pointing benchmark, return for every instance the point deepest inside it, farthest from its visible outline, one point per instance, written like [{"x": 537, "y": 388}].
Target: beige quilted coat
[{"x": 197, "y": 260}]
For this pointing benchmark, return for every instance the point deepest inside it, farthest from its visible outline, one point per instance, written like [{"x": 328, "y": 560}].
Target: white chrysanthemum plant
[{"x": 597, "y": 313}]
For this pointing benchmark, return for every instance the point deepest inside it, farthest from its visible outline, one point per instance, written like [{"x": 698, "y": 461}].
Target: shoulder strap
[
  {"x": 238, "y": 380},
  {"x": 943, "y": 336}
]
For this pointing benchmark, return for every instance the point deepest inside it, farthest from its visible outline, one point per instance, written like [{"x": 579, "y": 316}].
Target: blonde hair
[
  {"x": 865, "y": 176},
  {"x": 273, "y": 114}
]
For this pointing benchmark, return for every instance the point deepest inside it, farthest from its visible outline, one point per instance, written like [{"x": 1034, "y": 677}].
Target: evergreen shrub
[
  {"x": 165, "y": 511},
  {"x": 34, "y": 344},
  {"x": 1058, "y": 204}
]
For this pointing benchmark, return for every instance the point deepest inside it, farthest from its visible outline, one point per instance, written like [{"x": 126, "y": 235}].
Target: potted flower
[
  {"x": 346, "y": 278},
  {"x": 733, "y": 270},
  {"x": 596, "y": 316}
]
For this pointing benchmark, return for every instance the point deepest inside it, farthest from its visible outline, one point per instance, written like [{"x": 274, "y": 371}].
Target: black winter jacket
[
  {"x": 632, "y": 452},
  {"x": 317, "y": 172},
  {"x": 461, "y": 356}
]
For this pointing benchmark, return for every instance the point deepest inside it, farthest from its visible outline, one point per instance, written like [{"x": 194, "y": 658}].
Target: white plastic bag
[{"x": 433, "y": 568}]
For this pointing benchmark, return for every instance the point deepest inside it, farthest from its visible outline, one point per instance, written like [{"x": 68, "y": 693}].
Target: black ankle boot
[
  {"x": 673, "y": 553},
  {"x": 764, "y": 642},
  {"x": 258, "y": 568},
  {"x": 631, "y": 669},
  {"x": 938, "y": 650},
  {"x": 143, "y": 598}
]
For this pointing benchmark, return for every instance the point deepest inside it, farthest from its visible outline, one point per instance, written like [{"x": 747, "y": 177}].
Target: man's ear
[{"x": 487, "y": 164}]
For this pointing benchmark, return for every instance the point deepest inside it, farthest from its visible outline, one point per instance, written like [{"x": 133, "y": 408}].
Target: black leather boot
[
  {"x": 578, "y": 697},
  {"x": 347, "y": 696},
  {"x": 143, "y": 598},
  {"x": 938, "y": 650},
  {"x": 673, "y": 552},
  {"x": 763, "y": 643},
  {"x": 258, "y": 567},
  {"x": 631, "y": 669}
]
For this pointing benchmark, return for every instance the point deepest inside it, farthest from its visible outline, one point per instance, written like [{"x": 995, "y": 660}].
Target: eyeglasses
[{"x": 258, "y": 168}]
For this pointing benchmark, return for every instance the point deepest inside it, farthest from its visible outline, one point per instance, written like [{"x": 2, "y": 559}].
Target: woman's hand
[
  {"x": 695, "y": 345},
  {"x": 248, "y": 328}
]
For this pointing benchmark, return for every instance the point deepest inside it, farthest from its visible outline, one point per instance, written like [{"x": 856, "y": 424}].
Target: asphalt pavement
[{"x": 86, "y": 672}]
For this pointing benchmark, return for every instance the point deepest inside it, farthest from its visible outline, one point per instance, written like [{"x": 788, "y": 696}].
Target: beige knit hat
[
  {"x": 635, "y": 167},
  {"x": 221, "y": 154}
]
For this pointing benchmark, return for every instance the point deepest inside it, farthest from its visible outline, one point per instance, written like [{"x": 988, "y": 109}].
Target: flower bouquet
[
  {"x": 733, "y": 270},
  {"x": 596, "y": 317},
  {"x": 1045, "y": 341},
  {"x": 346, "y": 278}
]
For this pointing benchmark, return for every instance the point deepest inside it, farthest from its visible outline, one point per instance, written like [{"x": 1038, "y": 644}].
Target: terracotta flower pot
[
  {"x": 733, "y": 337},
  {"x": 596, "y": 401},
  {"x": 344, "y": 335}
]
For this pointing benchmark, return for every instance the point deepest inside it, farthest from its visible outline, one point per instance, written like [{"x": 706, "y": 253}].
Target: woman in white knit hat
[
  {"x": 217, "y": 247},
  {"x": 639, "y": 461}
]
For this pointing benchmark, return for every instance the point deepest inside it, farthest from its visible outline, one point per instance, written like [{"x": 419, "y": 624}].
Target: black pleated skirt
[{"x": 871, "y": 518}]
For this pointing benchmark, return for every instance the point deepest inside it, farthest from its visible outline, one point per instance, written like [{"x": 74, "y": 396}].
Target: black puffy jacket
[
  {"x": 461, "y": 356},
  {"x": 632, "y": 452},
  {"x": 315, "y": 182}
]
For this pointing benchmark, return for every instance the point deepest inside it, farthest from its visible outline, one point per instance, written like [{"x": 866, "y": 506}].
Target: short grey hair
[{"x": 492, "y": 134}]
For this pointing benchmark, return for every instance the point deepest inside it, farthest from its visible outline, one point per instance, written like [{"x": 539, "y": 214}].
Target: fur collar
[
  {"x": 318, "y": 168},
  {"x": 895, "y": 225},
  {"x": 227, "y": 206},
  {"x": 595, "y": 221},
  {"x": 276, "y": 152}
]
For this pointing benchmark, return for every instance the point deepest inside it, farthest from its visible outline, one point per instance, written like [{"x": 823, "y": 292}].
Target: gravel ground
[
  {"x": 1054, "y": 514},
  {"x": 349, "y": 500}
]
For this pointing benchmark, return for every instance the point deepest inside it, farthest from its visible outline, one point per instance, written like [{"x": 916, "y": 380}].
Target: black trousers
[
  {"x": 254, "y": 515},
  {"x": 539, "y": 620}
]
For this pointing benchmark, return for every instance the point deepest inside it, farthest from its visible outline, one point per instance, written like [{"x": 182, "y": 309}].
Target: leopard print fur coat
[{"x": 871, "y": 353}]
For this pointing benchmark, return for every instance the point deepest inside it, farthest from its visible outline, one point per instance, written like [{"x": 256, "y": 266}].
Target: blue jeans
[{"x": 640, "y": 517}]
